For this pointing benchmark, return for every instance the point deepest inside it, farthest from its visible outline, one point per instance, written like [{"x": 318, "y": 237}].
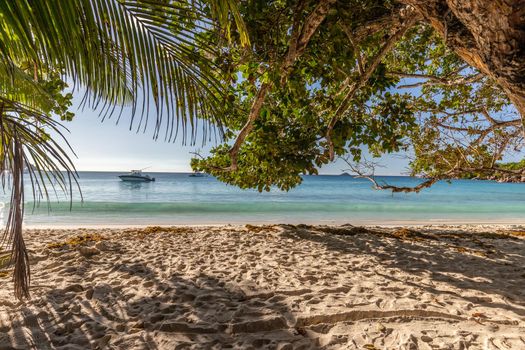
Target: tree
[
  {"x": 132, "y": 52},
  {"x": 324, "y": 79}
]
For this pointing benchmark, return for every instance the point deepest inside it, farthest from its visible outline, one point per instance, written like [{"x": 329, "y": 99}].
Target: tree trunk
[{"x": 488, "y": 34}]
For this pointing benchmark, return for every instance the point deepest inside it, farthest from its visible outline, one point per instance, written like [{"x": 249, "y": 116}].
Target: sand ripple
[{"x": 275, "y": 287}]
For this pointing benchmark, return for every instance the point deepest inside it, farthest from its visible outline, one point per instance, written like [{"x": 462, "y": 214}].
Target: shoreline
[
  {"x": 366, "y": 223},
  {"x": 271, "y": 287}
]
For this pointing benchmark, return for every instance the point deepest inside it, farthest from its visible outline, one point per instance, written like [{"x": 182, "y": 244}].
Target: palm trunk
[
  {"x": 13, "y": 161},
  {"x": 20, "y": 258}
]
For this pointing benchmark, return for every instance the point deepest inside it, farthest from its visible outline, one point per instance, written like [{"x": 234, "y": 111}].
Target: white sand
[{"x": 275, "y": 287}]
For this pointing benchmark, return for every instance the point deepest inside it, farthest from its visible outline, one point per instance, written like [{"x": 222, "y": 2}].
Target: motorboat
[
  {"x": 197, "y": 174},
  {"x": 136, "y": 176}
]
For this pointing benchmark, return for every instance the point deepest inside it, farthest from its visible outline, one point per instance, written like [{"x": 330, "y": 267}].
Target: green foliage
[
  {"x": 422, "y": 99},
  {"x": 44, "y": 93},
  {"x": 287, "y": 139},
  {"x": 513, "y": 165}
]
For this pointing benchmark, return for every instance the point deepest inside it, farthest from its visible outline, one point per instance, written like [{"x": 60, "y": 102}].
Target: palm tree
[{"x": 136, "y": 52}]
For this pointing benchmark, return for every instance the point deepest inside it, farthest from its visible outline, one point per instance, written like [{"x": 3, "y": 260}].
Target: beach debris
[
  {"x": 411, "y": 235},
  {"x": 514, "y": 233},
  {"x": 5, "y": 258},
  {"x": 381, "y": 327},
  {"x": 261, "y": 228},
  {"x": 346, "y": 230},
  {"x": 150, "y": 230},
  {"x": 426, "y": 339},
  {"x": 77, "y": 241},
  {"x": 154, "y": 229},
  {"x": 370, "y": 347}
]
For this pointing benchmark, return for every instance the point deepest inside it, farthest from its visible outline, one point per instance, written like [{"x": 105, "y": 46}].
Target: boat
[
  {"x": 197, "y": 174},
  {"x": 136, "y": 176}
]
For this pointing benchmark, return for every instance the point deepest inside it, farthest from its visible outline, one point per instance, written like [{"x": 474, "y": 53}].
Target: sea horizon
[{"x": 177, "y": 199}]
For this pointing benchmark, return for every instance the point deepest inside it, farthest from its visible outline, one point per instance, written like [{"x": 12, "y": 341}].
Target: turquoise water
[{"x": 179, "y": 199}]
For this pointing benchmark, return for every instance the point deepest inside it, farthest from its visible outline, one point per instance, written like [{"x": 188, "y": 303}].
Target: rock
[{"x": 88, "y": 251}]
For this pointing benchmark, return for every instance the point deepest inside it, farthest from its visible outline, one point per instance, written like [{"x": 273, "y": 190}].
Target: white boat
[
  {"x": 136, "y": 176},
  {"x": 197, "y": 174}
]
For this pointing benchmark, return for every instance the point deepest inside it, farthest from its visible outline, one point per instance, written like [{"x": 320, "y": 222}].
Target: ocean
[{"x": 176, "y": 198}]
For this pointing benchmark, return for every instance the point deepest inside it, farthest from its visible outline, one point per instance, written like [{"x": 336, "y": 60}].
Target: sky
[{"x": 107, "y": 146}]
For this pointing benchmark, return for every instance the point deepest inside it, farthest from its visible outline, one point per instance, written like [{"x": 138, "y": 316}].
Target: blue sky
[{"x": 107, "y": 146}]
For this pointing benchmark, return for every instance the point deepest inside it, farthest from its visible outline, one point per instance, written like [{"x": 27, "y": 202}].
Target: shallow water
[{"x": 179, "y": 199}]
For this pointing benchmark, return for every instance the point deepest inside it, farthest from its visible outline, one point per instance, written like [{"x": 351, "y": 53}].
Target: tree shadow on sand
[
  {"x": 442, "y": 256},
  {"x": 115, "y": 301},
  {"x": 161, "y": 313}
]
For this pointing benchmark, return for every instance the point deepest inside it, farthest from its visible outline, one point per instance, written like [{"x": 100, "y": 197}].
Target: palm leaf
[
  {"x": 113, "y": 48},
  {"x": 24, "y": 141}
]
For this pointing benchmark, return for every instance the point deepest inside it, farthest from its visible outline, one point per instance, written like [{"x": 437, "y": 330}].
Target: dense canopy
[{"x": 326, "y": 79}]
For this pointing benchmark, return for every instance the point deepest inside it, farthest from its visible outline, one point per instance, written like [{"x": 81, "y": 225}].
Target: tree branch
[
  {"x": 343, "y": 107},
  {"x": 298, "y": 42},
  {"x": 435, "y": 80},
  {"x": 255, "y": 110},
  {"x": 355, "y": 45},
  {"x": 395, "y": 189}
]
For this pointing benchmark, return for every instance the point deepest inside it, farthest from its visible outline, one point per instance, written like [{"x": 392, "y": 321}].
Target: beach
[{"x": 271, "y": 287}]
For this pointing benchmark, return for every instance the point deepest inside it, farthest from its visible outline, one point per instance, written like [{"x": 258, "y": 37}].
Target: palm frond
[
  {"x": 222, "y": 10},
  {"x": 153, "y": 50},
  {"x": 25, "y": 144}
]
